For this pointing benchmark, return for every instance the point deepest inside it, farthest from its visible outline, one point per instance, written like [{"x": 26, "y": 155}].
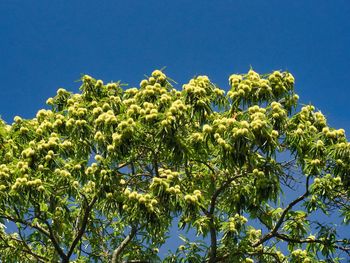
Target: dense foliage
[{"x": 102, "y": 175}]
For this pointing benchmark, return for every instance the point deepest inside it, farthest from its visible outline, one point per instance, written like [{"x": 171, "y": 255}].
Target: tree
[{"x": 102, "y": 175}]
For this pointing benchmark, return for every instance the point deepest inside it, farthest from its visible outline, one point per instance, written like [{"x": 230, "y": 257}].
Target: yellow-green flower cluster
[
  {"x": 52, "y": 142},
  {"x": 254, "y": 234},
  {"x": 258, "y": 117},
  {"x": 158, "y": 75},
  {"x": 99, "y": 136},
  {"x": 49, "y": 156},
  {"x": 220, "y": 125},
  {"x": 91, "y": 169},
  {"x": 62, "y": 172},
  {"x": 250, "y": 84},
  {"x": 253, "y": 76},
  {"x": 59, "y": 121},
  {"x": 114, "y": 100},
  {"x": 168, "y": 121},
  {"x": 241, "y": 130},
  {"x": 256, "y": 172},
  {"x": 315, "y": 162},
  {"x": 150, "y": 111},
  {"x": 131, "y": 92},
  {"x": 117, "y": 138},
  {"x": 320, "y": 119},
  {"x": 235, "y": 79},
  {"x": 300, "y": 130},
  {"x": 253, "y": 87},
  {"x": 80, "y": 123},
  {"x": 74, "y": 100},
  {"x": 23, "y": 181},
  {"x": 174, "y": 189},
  {"x": 166, "y": 177},
  {"x": 156, "y": 181},
  {"x": 43, "y": 115},
  {"x": 143, "y": 199},
  {"x": 279, "y": 80},
  {"x": 23, "y": 130},
  {"x": 99, "y": 83},
  {"x": 98, "y": 158},
  {"x": 133, "y": 109},
  {"x": 276, "y": 76},
  {"x": 264, "y": 87},
  {"x": 319, "y": 144},
  {"x": 128, "y": 102},
  {"x": 147, "y": 107},
  {"x": 112, "y": 86},
  {"x": 207, "y": 128},
  {"x": 327, "y": 183},
  {"x": 22, "y": 166},
  {"x": 221, "y": 141},
  {"x": 97, "y": 111},
  {"x": 89, "y": 187},
  {"x": 87, "y": 78},
  {"x": 165, "y": 99},
  {"x": 219, "y": 92},
  {"x": 168, "y": 174},
  {"x": 76, "y": 111},
  {"x": 342, "y": 150},
  {"x": 289, "y": 78},
  {"x": 240, "y": 90},
  {"x": 28, "y": 153},
  {"x": 152, "y": 89},
  {"x": 198, "y": 86},
  {"x": 193, "y": 198},
  {"x": 300, "y": 254},
  {"x": 333, "y": 134},
  {"x": 197, "y": 137},
  {"x": 4, "y": 171},
  {"x": 235, "y": 222},
  {"x": 278, "y": 112},
  {"x": 62, "y": 92},
  {"x": 106, "y": 118},
  {"x": 153, "y": 86},
  {"x": 127, "y": 126},
  {"x": 35, "y": 182},
  {"x": 45, "y": 126},
  {"x": 17, "y": 119},
  {"x": 177, "y": 108},
  {"x": 306, "y": 111}
]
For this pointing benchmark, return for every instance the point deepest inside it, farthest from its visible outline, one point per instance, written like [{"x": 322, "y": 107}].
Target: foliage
[{"x": 103, "y": 174}]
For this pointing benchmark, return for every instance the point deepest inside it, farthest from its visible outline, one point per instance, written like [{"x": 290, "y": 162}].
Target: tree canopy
[{"x": 104, "y": 173}]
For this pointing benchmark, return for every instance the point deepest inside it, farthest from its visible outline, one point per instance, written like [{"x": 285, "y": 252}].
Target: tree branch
[
  {"x": 49, "y": 233},
  {"x": 28, "y": 250},
  {"x": 82, "y": 228},
  {"x": 273, "y": 232},
  {"x": 210, "y": 215},
  {"x": 55, "y": 243},
  {"x": 219, "y": 190},
  {"x": 302, "y": 241},
  {"x": 23, "y": 222},
  {"x": 117, "y": 252}
]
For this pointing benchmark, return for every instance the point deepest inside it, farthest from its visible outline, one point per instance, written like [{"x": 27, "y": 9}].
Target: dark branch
[
  {"x": 82, "y": 228},
  {"x": 273, "y": 232}
]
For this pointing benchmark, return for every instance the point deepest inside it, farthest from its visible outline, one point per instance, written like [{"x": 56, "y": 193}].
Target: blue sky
[{"x": 49, "y": 44}]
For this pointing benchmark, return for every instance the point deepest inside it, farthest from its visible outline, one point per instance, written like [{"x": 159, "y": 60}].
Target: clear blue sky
[{"x": 49, "y": 44}]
